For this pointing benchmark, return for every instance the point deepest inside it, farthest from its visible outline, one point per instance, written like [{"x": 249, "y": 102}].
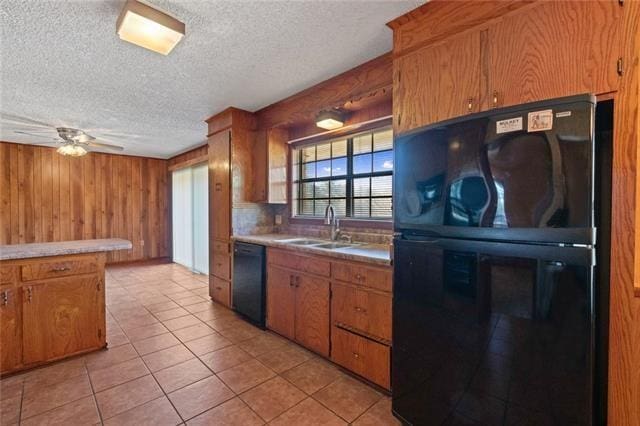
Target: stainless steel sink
[
  {"x": 334, "y": 246},
  {"x": 302, "y": 242}
]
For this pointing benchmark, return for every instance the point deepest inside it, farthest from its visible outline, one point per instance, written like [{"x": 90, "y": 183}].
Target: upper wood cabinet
[
  {"x": 553, "y": 49},
  {"x": 270, "y": 166},
  {"x": 220, "y": 185},
  {"x": 543, "y": 50},
  {"x": 437, "y": 82}
]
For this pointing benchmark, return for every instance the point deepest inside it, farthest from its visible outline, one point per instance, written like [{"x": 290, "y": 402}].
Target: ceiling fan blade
[
  {"x": 35, "y": 135},
  {"x": 104, "y": 145},
  {"x": 24, "y": 120},
  {"x": 46, "y": 143}
]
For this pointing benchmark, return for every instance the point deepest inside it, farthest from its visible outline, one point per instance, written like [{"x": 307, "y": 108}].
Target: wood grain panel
[
  {"x": 47, "y": 197},
  {"x": 311, "y": 264},
  {"x": 440, "y": 19},
  {"x": 363, "y": 275},
  {"x": 365, "y": 357},
  {"x": 366, "y": 311},
  {"x": 555, "y": 49},
  {"x": 280, "y": 301},
  {"x": 10, "y": 329},
  {"x": 219, "y": 184},
  {"x": 189, "y": 158},
  {"x": 624, "y": 328},
  {"x": 60, "y": 317},
  {"x": 437, "y": 82},
  {"x": 312, "y": 313}
]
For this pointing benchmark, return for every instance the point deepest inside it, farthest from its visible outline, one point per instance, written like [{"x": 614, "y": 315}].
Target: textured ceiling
[{"x": 63, "y": 64}]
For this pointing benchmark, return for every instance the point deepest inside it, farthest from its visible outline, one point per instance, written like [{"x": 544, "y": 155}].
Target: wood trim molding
[
  {"x": 371, "y": 79},
  {"x": 188, "y": 163}
]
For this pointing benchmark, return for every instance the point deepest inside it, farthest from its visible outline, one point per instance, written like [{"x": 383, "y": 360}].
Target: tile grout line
[{"x": 93, "y": 392}]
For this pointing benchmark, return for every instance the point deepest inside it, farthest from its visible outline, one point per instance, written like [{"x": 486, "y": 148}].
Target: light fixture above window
[
  {"x": 330, "y": 120},
  {"x": 142, "y": 24}
]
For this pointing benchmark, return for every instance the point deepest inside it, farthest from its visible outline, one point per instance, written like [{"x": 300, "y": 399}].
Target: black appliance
[
  {"x": 249, "y": 292},
  {"x": 494, "y": 314}
]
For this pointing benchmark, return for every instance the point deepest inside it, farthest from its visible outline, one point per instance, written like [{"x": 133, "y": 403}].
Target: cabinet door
[
  {"x": 437, "y": 82},
  {"x": 10, "y": 331},
  {"x": 312, "y": 313},
  {"x": 62, "y": 316},
  {"x": 220, "y": 200},
  {"x": 554, "y": 49},
  {"x": 281, "y": 300}
]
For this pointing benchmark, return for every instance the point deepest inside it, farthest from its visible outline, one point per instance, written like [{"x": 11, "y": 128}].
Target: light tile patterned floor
[{"x": 175, "y": 358}]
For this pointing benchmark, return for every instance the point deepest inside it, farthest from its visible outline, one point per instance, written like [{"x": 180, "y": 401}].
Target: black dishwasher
[{"x": 249, "y": 282}]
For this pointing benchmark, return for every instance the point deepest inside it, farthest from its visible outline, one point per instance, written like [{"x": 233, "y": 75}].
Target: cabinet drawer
[
  {"x": 362, "y": 356},
  {"x": 364, "y": 310},
  {"x": 220, "y": 290},
  {"x": 221, "y": 266},
  {"x": 377, "y": 278},
  {"x": 311, "y": 264},
  {"x": 59, "y": 268},
  {"x": 8, "y": 274},
  {"x": 221, "y": 247}
]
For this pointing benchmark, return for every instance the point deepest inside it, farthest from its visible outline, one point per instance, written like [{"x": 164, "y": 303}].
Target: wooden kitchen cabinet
[
  {"x": 220, "y": 185},
  {"x": 361, "y": 310},
  {"x": 51, "y": 308},
  {"x": 312, "y": 313},
  {"x": 553, "y": 49},
  {"x": 59, "y": 317},
  {"x": 270, "y": 166},
  {"x": 281, "y": 301},
  {"x": 298, "y": 303},
  {"x": 10, "y": 329},
  {"x": 365, "y": 357},
  {"x": 437, "y": 82}
]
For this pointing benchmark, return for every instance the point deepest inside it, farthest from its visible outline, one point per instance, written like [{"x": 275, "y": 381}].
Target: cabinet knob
[
  {"x": 495, "y": 99},
  {"x": 359, "y": 309},
  {"x": 60, "y": 269},
  {"x": 30, "y": 294},
  {"x": 470, "y": 104},
  {"x": 356, "y": 355}
]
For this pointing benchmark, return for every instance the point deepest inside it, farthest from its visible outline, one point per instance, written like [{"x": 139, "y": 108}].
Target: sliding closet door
[
  {"x": 200, "y": 208},
  {"x": 182, "y": 217}
]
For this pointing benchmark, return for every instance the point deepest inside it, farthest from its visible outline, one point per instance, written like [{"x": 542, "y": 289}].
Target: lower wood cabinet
[
  {"x": 220, "y": 290},
  {"x": 50, "y": 308},
  {"x": 298, "y": 307},
  {"x": 59, "y": 317},
  {"x": 363, "y": 356},
  {"x": 341, "y": 310},
  {"x": 10, "y": 328}
]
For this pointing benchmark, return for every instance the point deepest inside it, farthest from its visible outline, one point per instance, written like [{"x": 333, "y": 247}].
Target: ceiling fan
[{"x": 74, "y": 142}]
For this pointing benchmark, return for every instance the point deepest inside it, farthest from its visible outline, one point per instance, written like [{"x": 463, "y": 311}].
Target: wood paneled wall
[
  {"x": 45, "y": 196},
  {"x": 189, "y": 158}
]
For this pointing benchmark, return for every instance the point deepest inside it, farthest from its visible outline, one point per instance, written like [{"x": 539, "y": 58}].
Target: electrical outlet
[{"x": 278, "y": 219}]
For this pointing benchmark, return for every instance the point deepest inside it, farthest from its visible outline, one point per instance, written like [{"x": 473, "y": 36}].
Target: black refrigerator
[{"x": 494, "y": 309}]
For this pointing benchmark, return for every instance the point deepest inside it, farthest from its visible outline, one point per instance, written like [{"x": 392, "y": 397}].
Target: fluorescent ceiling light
[
  {"x": 145, "y": 26},
  {"x": 330, "y": 120}
]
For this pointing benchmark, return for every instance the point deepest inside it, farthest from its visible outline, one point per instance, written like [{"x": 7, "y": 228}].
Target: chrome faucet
[{"x": 331, "y": 219}]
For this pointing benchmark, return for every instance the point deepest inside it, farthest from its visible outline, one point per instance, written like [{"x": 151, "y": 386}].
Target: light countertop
[
  {"x": 61, "y": 248},
  {"x": 361, "y": 252}
]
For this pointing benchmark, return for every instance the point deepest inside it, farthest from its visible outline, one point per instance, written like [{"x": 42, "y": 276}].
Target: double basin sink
[{"x": 321, "y": 244}]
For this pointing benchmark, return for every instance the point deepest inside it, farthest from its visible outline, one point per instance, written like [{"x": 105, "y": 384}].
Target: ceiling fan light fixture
[
  {"x": 143, "y": 25},
  {"x": 330, "y": 120},
  {"x": 72, "y": 150}
]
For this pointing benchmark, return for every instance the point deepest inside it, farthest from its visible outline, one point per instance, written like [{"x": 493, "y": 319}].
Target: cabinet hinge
[{"x": 620, "y": 67}]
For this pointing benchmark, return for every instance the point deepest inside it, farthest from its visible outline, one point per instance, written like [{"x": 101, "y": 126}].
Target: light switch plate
[{"x": 278, "y": 219}]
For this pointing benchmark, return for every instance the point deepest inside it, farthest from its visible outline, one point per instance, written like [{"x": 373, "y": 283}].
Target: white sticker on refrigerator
[
  {"x": 563, "y": 114},
  {"x": 539, "y": 121},
  {"x": 509, "y": 125}
]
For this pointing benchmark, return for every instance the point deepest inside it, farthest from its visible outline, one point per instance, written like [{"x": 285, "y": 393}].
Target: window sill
[{"x": 346, "y": 222}]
